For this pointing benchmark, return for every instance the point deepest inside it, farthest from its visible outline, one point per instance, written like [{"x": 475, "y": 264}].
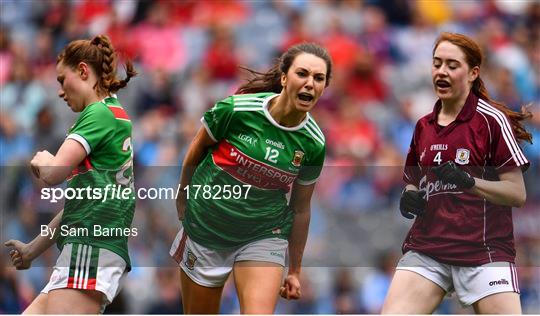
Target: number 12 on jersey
[{"x": 271, "y": 154}]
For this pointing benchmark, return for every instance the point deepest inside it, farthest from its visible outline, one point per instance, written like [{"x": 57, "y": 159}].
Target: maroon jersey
[{"x": 458, "y": 227}]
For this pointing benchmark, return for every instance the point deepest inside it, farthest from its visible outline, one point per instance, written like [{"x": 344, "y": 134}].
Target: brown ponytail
[
  {"x": 515, "y": 118},
  {"x": 473, "y": 56},
  {"x": 269, "y": 81},
  {"x": 99, "y": 54}
]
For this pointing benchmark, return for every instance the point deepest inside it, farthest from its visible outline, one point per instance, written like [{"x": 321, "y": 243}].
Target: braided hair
[{"x": 100, "y": 55}]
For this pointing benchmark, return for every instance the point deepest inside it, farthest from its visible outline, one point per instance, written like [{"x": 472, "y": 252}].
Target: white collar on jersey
[
  {"x": 112, "y": 95},
  {"x": 273, "y": 121}
]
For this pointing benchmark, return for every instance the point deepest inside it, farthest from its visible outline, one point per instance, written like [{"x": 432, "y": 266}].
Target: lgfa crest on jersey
[
  {"x": 462, "y": 156},
  {"x": 297, "y": 159}
]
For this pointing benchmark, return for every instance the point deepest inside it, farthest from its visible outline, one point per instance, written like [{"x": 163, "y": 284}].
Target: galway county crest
[
  {"x": 297, "y": 159},
  {"x": 462, "y": 156}
]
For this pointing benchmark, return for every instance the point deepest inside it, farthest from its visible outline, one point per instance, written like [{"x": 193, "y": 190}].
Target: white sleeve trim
[
  {"x": 208, "y": 129},
  {"x": 306, "y": 182},
  {"x": 82, "y": 141},
  {"x": 506, "y": 131}
]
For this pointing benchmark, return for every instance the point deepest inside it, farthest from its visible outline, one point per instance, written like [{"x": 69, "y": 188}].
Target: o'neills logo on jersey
[
  {"x": 275, "y": 143},
  {"x": 432, "y": 188},
  {"x": 438, "y": 147},
  {"x": 248, "y": 170},
  {"x": 499, "y": 282}
]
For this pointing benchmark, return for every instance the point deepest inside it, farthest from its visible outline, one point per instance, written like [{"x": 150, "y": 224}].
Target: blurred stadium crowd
[{"x": 188, "y": 55}]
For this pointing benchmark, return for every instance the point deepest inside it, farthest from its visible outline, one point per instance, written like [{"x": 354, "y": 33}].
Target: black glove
[
  {"x": 449, "y": 172},
  {"x": 412, "y": 202}
]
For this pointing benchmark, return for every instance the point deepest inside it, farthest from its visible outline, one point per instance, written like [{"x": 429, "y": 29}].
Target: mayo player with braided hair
[{"x": 96, "y": 154}]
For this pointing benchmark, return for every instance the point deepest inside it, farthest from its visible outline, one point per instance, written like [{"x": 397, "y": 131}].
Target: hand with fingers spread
[
  {"x": 451, "y": 173},
  {"x": 291, "y": 288},
  {"x": 412, "y": 203},
  {"x": 20, "y": 254}
]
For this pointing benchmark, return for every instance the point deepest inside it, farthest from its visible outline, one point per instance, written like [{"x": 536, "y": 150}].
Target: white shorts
[
  {"x": 211, "y": 268},
  {"x": 88, "y": 268},
  {"x": 470, "y": 283}
]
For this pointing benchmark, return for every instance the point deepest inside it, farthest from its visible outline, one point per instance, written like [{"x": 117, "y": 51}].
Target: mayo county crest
[
  {"x": 190, "y": 260},
  {"x": 297, "y": 159},
  {"x": 462, "y": 156}
]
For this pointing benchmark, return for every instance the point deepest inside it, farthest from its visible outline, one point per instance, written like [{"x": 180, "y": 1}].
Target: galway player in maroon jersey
[{"x": 464, "y": 175}]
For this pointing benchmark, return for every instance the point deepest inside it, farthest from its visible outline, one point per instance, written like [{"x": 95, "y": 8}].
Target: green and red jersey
[
  {"x": 252, "y": 149},
  {"x": 104, "y": 130}
]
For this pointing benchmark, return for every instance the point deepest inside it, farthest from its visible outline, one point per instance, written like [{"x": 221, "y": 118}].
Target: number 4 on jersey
[{"x": 438, "y": 158}]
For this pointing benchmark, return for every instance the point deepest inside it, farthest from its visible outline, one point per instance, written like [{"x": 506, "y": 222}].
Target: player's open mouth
[
  {"x": 442, "y": 84},
  {"x": 305, "y": 97}
]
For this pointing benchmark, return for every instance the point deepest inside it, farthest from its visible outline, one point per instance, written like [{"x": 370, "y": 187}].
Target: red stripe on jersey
[
  {"x": 119, "y": 113},
  {"x": 251, "y": 171},
  {"x": 83, "y": 167},
  {"x": 91, "y": 284},
  {"x": 71, "y": 282}
]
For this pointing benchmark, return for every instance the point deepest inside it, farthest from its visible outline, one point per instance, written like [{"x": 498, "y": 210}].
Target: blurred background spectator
[{"x": 189, "y": 52}]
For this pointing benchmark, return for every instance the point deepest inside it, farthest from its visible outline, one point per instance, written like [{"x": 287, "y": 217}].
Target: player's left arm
[
  {"x": 509, "y": 190},
  {"x": 54, "y": 169},
  {"x": 301, "y": 206}
]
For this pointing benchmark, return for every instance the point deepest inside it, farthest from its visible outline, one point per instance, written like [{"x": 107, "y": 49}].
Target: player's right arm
[
  {"x": 94, "y": 127},
  {"x": 193, "y": 157},
  {"x": 215, "y": 125},
  {"x": 23, "y": 254},
  {"x": 55, "y": 169},
  {"x": 412, "y": 201}
]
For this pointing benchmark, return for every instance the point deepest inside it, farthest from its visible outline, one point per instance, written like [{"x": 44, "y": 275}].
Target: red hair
[{"x": 474, "y": 57}]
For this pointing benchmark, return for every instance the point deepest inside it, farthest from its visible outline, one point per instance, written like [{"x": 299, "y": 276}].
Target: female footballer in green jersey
[
  {"x": 96, "y": 153},
  {"x": 253, "y": 149}
]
